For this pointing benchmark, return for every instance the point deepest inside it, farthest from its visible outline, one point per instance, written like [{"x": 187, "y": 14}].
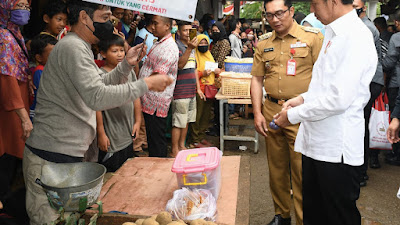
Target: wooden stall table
[
  {"x": 143, "y": 186},
  {"x": 223, "y": 99}
]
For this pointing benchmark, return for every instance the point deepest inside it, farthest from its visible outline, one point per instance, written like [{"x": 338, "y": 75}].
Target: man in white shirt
[{"x": 331, "y": 132}]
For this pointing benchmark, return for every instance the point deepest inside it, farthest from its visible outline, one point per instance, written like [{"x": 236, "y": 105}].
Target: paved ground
[{"x": 378, "y": 203}]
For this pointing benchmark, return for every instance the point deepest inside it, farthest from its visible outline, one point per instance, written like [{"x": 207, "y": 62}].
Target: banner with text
[{"x": 177, "y": 9}]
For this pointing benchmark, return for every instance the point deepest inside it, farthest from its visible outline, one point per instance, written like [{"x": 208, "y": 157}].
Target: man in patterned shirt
[{"x": 162, "y": 58}]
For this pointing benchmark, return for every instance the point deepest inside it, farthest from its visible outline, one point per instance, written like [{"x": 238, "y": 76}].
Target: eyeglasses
[
  {"x": 279, "y": 14},
  {"x": 23, "y": 6}
]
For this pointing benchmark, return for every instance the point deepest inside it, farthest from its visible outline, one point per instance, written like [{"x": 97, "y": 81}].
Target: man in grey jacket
[
  {"x": 375, "y": 89},
  {"x": 71, "y": 91},
  {"x": 391, "y": 64}
]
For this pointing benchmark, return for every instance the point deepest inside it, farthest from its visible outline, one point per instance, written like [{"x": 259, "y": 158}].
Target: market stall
[
  {"x": 235, "y": 89},
  {"x": 142, "y": 187}
]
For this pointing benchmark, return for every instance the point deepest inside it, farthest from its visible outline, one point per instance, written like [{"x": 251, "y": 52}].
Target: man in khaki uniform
[{"x": 285, "y": 58}]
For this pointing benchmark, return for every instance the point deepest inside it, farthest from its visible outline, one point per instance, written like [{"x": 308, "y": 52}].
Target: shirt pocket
[
  {"x": 303, "y": 60},
  {"x": 270, "y": 65}
]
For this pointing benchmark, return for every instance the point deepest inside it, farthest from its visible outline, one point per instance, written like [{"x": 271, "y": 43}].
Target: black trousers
[
  {"x": 330, "y": 192},
  {"x": 156, "y": 139},
  {"x": 117, "y": 159},
  {"x": 375, "y": 89},
  {"x": 8, "y": 167}
]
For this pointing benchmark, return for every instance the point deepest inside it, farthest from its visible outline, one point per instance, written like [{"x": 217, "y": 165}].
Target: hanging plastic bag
[
  {"x": 192, "y": 204},
  {"x": 379, "y": 123}
]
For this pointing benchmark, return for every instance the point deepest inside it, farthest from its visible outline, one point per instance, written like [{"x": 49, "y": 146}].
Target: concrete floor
[{"x": 378, "y": 203}]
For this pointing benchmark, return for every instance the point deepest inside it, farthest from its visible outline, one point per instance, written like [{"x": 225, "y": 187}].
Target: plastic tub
[
  {"x": 238, "y": 67},
  {"x": 199, "y": 169}
]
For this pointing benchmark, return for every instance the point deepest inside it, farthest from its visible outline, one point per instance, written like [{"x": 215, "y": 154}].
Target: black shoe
[
  {"x": 363, "y": 183},
  {"x": 374, "y": 162},
  {"x": 278, "y": 220},
  {"x": 366, "y": 177},
  {"x": 395, "y": 161}
]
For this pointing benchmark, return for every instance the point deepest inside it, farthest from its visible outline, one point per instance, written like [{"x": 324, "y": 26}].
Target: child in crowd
[
  {"x": 41, "y": 47},
  {"x": 117, "y": 128},
  {"x": 55, "y": 18}
]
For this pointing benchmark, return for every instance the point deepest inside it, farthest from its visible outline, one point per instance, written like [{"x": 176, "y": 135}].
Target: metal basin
[{"x": 68, "y": 185}]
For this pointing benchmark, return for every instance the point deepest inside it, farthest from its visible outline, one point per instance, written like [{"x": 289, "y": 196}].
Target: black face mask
[
  {"x": 216, "y": 36},
  {"x": 103, "y": 31},
  {"x": 203, "y": 49},
  {"x": 244, "y": 40},
  {"x": 359, "y": 11}
]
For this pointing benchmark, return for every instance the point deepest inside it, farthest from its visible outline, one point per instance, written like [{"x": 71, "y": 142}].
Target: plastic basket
[
  {"x": 238, "y": 67},
  {"x": 235, "y": 86}
]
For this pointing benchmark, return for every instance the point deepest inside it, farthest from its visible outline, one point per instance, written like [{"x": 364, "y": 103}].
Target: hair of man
[
  {"x": 182, "y": 23},
  {"x": 287, "y": 3},
  {"x": 74, "y": 7},
  {"x": 381, "y": 22}
]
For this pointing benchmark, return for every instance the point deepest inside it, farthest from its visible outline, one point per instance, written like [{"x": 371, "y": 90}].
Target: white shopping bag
[{"x": 379, "y": 123}]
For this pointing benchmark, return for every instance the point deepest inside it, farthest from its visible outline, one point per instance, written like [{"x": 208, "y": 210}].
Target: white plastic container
[{"x": 199, "y": 168}]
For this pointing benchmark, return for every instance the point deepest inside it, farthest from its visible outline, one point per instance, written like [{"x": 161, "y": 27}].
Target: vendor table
[
  {"x": 223, "y": 99},
  {"x": 143, "y": 186}
]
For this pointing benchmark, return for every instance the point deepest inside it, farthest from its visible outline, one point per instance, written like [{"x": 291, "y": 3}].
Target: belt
[{"x": 277, "y": 101}]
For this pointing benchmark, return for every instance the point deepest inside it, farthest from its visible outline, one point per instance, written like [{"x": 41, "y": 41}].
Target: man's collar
[
  {"x": 165, "y": 37},
  {"x": 292, "y": 32},
  {"x": 341, "y": 24}
]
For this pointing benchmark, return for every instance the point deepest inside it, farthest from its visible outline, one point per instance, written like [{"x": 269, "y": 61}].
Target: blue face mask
[
  {"x": 20, "y": 16},
  {"x": 174, "y": 29}
]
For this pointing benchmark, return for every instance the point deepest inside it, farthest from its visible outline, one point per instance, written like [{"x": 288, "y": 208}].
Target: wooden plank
[
  {"x": 243, "y": 201},
  {"x": 143, "y": 186}
]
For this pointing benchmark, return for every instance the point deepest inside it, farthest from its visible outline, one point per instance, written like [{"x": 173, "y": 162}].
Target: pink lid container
[{"x": 196, "y": 160}]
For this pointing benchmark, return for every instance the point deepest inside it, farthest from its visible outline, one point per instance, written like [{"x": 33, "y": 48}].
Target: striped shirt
[
  {"x": 186, "y": 81},
  {"x": 162, "y": 58}
]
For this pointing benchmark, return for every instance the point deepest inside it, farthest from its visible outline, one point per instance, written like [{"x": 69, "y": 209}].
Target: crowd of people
[{"x": 99, "y": 84}]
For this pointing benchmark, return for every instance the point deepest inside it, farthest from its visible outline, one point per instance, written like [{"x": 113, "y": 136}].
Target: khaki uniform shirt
[{"x": 272, "y": 55}]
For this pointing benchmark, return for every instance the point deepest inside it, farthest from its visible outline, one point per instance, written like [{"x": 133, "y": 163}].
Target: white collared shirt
[{"x": 332, "y": 118}]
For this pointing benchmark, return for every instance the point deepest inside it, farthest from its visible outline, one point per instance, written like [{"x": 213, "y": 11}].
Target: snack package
[{"x": 192, "y": 204}]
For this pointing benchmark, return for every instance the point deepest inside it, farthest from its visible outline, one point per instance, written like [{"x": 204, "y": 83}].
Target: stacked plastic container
[{"x": 199, "y": 169}]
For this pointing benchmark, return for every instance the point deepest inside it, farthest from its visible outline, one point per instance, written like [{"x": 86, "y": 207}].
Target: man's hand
[
  {"x": 393, "y": 131},
  {"x": 158, "y": 82},
  {"x": 135, "y": 131},
  {"x": 193, "y": 43},
  {"x": 133, "y": 57},
  {"x": 103, "y": 142},
  {"x": 281, "y": 118},
  {"x": 133, "y": 26},
  {"x": 201, "y": 95},
  {"x": 293, "y": 102},
  {"x": 244, "y": 49},
  {"x": 260, "y": 124}
]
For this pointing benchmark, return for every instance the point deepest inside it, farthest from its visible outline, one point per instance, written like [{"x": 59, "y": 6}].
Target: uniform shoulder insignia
[
  {"x": 265, "y": 36},
  {"x": 311, "y": 29}
]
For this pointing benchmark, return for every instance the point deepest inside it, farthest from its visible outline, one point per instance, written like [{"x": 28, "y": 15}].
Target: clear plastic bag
[{"x": 193, "y": 204}]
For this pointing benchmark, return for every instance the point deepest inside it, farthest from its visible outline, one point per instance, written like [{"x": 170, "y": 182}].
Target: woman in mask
[
  {"x": 15, "y": 125},
  {"x": 221, "y": 47},
  {"x": 206, "y": 77}
]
